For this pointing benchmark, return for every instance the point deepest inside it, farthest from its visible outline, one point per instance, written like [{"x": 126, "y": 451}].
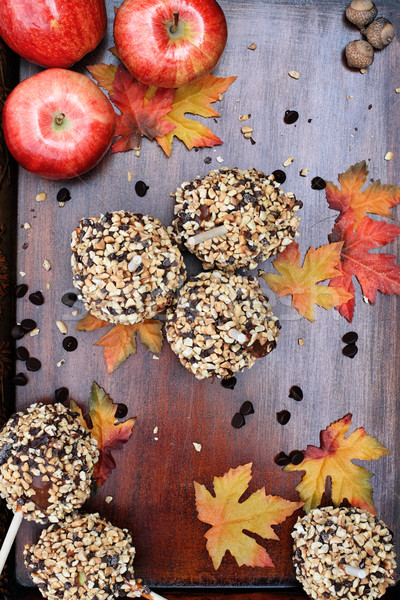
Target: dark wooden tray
[{"x": 345, "y": 117}]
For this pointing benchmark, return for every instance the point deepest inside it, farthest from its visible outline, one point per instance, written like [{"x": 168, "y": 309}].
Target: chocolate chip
[
  {"x": 141, "y": 188},
  {"x": 350, "y": 350},
  {"x": 61, "y": 394},
  {"x": 296, "y": 393},
  {"x": 247, "y": 408},
  {"x": 282, "y": 459},
  {"x": 17, "y": 332},
  {"x": 22, "y": 353},
  {"x": 28, "y": 324},
  {"x": 290, "y": 117},
  {"x": 69, "y": 299},
  {"x": 121, "y": 412},
  {"x": 280, "y": 176},
  {"x": 229, "y": 383},
  {"x": 63, "y": 195},
  {"x": 70, "y": 343},
  {"x": 36, "y": 298},
  {"x": 21, "y": 290},
  {"x": 238, "y": 421},
  {"x": 33, "y": 364},
  {"x": 283, "y": 417},
  {"x": 318, "y": 183},
  {"x": 350, "y": 338},
  {"x": 296, "y": 457},
  {"x": 20, "y": 379},
  {"x": 207, "y": 160}
]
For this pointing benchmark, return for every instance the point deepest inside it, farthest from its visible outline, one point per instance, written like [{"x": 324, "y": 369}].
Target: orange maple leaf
[
  {"x": 120, "y": 341},
  {"x": 194, "y": 98},
  {"x": 333, "y": 459},
  {"x": 229, "y": 518},
  {"x": 301, "y": 282},
  {"x": 104, "y": 75},
  {"x": 90, "y": 323},
  {"x": 377, "y": 199},
  {"x": 110, "y": 435}
]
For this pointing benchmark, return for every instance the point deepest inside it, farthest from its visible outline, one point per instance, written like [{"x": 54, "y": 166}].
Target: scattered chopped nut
[
  {"x": 137, "y": 153},
  {"x": 155, "y": 430},
  {"x": 26, "y": 226},
  {"x": 62, "y": 327},
  {"x": 41, "y": 197},
  {"x": 129, "y": 176},
  {"x": 47, "y": 286},
  {"x": 34, "y": 331},
  {"x": 61, "y": 204},
  {"x": 61, "y": 362},
  {"x": 220, "y": 96},
  {"x": 304, "y": 172},
  {"x": 75, "y": 312},
  {"x": 388, "y": 155},
  {"x": 252, "y": 46},
  {"x": 260, "y": 272},
  {"x": 156, "y": 439},
  {"x": 46, "y": 264},
  {"x": 108, "y": 499},
  {"x": 246, "y": 129},
  {"x": 155, "y": 357},
  {"x": 294, "y": 74},
  {"x": 397, "y": 90},
  {"x": 349, "y": 97},
  {"x": 197, "y": 446},
  {"x": 22, "y": 273},
  {"x": 363, "y": 71},
  {"x": 300, "y": 342},
  {"x": 244, "y": 117},
  {"x": 288, "y": 161},
  {"x": 220, "y": 159}
]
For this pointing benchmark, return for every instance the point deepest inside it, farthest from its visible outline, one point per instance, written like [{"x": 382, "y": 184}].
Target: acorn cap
[
  {"x": 359, "y": 54},
  {"x": 361, "y": 12},
  {"x": 380, "y": 33}
]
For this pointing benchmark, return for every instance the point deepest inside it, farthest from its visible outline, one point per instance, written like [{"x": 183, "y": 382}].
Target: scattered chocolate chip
[
  {"x": 36, "y": 298},
  {"x": 63, "y": 195},
  {"x": 318, "y": 183},
  {"x": 33, "y": 364},
  {"x": 20, "y": 379},
  {"x": 25, "y": 246},
  {"x": 309, "y": 121},
  {"x": 238, "y": 421},
  {"x": 296, "y": 393},
  {"x": 296, "y": 457},
  {"x": 369, "y": 107},
  {"x": 283, "y": 417},
  {"x": 350, "y": 350},
  {"x": 350, "y": 338},
  {"x": 17, "y": 332},
  {"x": 61, "y": 394},
  {"x": 247, "y": 408},
  {"x": 207, "y": 160},
  {"x": 141, "y": 188},
  {"x": 280, "y": 176},
  {"x": 28, "y": 324},
  {"x": 229, "y": 383},
  {"x": 21, "y": 290},
  {"x": 282, "y": 459},
  {"x": 121, "y": 412},
  {"x": 69, "y": 299},
  {"x": 70, "y": 343},
  {"x": 22, "y": 353},
  {"x": 290, "y": 117}
]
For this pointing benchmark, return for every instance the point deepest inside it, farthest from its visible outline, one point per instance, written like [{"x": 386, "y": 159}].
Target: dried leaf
[
  {"x": 90, "y": 323},
  {"x": 301, "y": 282},
  {"x": 104, "y": 75},
  {"x": 334, "y": 459},
  {"x": 377, "y": 199},
  {"x": 194, "y": 98},
  {"x": 150, "y": 333},
  {"x": 375, "y": 272},
  {"x": 229, "y": 518}
]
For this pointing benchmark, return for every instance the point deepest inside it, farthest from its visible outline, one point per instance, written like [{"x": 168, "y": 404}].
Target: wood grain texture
[{"x": 153, "y": 485}]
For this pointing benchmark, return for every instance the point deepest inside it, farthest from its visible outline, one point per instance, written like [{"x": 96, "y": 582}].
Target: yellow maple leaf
[
  {"x": 195, "y": 98},
  {"x": 150, "y": 333},
  {"x": 229, "y": 518},
  {"x": 301, "y": 282},
  {"x": 333, "y": 459},
  {"x": 90, "y": 323},
  {"x": 104, "y": 75},
  {"x": 377, "y": 199}
]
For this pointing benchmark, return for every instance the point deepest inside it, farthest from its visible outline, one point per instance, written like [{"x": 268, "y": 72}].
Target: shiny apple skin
[
  {"x": 52, "y": 33},
  {"x": 48, "y": 150},
  {"x": 145, "y": 47}
]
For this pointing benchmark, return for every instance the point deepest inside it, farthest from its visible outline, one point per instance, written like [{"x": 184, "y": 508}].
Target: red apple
[
  {"x": 52, "y": 33},
  {"x": 58, "y": 123},
  {"x": 169, "y": 43}
]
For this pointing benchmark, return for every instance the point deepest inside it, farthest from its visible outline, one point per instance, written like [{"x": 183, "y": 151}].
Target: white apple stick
[
  {"x": 355, "y": 571},
  {"x": 137, "y": 585},
  {"x": 10, "y": 537},
  {"x": 206, "y": 235},
  {"x": 237, "y": 336},
  {"x": 135, "y": 262}
]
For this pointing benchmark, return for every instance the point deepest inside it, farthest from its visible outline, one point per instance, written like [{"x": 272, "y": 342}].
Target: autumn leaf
[
  {"x": 375, "y": 272},
  {"x": 301, "y": 282},
  {"x": 120, "y": 341},
  {"x": 377, "y": 199},
  {"x": 334, "y": 459},
  {"x": 90, "y": 323},
  {"x": 229, "y": 518},
  {"x": 194, "y": 98},
  {"x": 104, "y": 75},
  {"x": 110, "y": 434}
]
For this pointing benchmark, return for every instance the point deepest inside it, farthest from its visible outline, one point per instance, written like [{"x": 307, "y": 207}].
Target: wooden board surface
[{"x": 153, "y": 485}]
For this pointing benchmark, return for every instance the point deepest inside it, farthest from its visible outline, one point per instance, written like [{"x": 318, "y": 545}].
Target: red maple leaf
[{"x": 375, "y": 272}]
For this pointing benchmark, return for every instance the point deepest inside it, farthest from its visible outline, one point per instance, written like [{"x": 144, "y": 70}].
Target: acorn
[
  {"x": 361, "y": 12},
  {"x": 359, "y": 54},
  {"x": 380, "y": 33}
]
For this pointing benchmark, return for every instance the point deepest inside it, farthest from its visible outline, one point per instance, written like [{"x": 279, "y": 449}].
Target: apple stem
[
  {"x": 60, "y": 118},
  {"x": 174, "y": 27}
]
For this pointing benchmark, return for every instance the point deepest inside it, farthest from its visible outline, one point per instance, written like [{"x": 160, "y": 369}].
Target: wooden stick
[
  {"x": 209, "y": 234},
  {"x": 137, "y": 585},
  {"x": 355, "y": 571},
  {"x": 10, "y": 537},
  {"x": 153, "y": 596}
]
